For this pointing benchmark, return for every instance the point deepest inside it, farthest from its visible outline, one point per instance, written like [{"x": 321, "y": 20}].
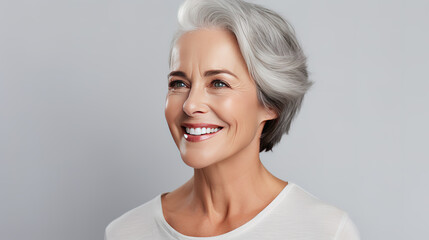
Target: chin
[{"x": 197, "y": 160}]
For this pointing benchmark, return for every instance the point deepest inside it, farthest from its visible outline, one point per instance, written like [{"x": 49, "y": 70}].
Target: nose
[{"x": 196, "y": 102}]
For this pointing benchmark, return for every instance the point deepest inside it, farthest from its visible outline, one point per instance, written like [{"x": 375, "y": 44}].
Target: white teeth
[{"x": 200, "y": 131}]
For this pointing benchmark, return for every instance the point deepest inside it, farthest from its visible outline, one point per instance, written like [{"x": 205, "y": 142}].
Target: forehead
[{"x": 208, "y": 48}]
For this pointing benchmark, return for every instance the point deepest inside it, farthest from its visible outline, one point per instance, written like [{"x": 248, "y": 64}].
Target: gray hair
[{"x": 272, "y": 53}]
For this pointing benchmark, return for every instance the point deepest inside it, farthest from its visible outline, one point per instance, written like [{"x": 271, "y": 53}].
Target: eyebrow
[
  {"x": 206, "y": 74},
  {"x": 216, "y": 72},
  {"x": 178, "y": 74}
]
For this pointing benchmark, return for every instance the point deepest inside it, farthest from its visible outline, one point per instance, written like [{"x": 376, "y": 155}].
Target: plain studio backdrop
[{"x": 83, "y": 137}]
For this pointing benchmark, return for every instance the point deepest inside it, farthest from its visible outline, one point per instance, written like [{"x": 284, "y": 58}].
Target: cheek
[
  {"x": 173, "y": 110},
  {"x": 240, "y": 113},
  {"x": 173, "y": 104}
]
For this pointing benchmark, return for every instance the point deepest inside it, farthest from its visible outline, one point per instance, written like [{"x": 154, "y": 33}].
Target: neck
[{"x": 235, "y": 185}]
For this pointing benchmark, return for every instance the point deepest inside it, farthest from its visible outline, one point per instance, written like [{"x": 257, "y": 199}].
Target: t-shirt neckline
[{"x": 241, "y": 229}]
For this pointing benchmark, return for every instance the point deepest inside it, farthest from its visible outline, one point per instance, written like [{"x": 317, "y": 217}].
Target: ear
[{"x": 269, "y": 114}]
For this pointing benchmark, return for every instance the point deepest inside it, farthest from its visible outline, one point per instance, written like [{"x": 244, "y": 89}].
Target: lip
[
  {"x": 200, "y": 125},
  {"x": 198, "y": 138}
]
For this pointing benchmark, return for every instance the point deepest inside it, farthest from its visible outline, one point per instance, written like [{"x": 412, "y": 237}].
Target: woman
[{"x": 238, "y": 76}]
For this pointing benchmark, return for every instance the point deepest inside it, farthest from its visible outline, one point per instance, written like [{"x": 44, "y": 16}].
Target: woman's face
[{"x": 212, "y": 108}]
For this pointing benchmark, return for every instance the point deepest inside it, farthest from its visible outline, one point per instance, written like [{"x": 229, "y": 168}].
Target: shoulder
[
  {"x": 308, "y": 212},
  {"x": 306, "y": 203},
  {"x": 133, "y": 224},
  {"x": 347, "y": 230}
]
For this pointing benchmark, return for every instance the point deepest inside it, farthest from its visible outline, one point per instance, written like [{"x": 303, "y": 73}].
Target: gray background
[{"x": 82, "y": 131}]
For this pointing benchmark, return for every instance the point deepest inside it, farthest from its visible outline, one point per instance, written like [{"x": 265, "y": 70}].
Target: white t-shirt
[{"x": 294, "y": 214}]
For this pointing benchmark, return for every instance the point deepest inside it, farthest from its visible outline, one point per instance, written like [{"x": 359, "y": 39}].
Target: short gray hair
[{"x": 272, "y": 53}]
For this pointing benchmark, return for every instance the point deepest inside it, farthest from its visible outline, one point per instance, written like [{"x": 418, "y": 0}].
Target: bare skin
[
  {"x": 230, "y": 185},
  {"x": 200, "y": 209}
]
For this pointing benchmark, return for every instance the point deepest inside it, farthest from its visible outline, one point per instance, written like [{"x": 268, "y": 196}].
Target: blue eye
[
  {"x": 177, "y": 84},
  {"x": 219, "y": 84}
]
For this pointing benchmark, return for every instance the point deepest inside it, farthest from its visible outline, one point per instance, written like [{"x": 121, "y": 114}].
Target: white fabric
[{"x": 294, "y": 214}]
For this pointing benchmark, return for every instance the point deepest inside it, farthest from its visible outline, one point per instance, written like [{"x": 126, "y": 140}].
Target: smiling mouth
[
  {"x": 199, "y": 134},
  {"x": 201, "y": 131}
]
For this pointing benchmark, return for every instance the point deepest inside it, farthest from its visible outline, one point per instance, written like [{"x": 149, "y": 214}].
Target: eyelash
[
  {"x": 173, "y": 84},
  {"x": 219, "y": 81}
]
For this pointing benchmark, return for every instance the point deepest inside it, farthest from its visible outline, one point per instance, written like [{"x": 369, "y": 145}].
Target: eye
[
  {"x": 219, "y": 84},
  {"x": 177, "y": 84}
]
